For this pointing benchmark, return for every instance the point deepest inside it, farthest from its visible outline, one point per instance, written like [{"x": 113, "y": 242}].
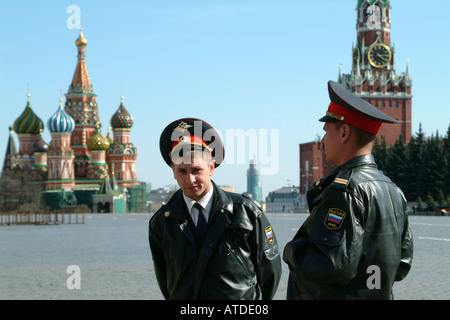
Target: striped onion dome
[
  {"x": 40, "y": 145},
  {"x": 28, "y": 122},
  {"x": 61, "y": 122},
  {"x": 122, "y": 118},
  {"x": 97, "y": 141}
]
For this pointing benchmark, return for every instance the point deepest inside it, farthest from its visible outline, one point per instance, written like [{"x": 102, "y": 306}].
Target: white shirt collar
[{"x": 205, "y": 202}]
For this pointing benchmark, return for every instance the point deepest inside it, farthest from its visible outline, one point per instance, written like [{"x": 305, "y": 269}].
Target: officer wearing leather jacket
[
  {"x": 207, "y": 243},
  {"x": 356, "y": 241}
]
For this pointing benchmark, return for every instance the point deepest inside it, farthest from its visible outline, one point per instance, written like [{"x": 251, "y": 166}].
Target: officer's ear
[{"x": 344, "y": 132}]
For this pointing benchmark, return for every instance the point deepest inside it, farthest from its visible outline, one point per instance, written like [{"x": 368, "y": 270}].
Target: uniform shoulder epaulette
[
  {"x": 252, "y": 200},
  {"x": 341, "y": 181}
]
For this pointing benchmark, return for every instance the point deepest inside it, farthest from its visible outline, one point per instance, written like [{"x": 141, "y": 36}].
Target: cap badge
[
  {"x": 182, "y": 126},
  {"x": 184, "y": 139},
  {"x": 335, "y": 116}
]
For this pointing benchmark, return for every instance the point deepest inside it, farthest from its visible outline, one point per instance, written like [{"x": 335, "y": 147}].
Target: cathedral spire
[
  {"x": 11, "y": 152},
  {"x": 81, "y": 82},
  {"x": 82, "y": 108}
]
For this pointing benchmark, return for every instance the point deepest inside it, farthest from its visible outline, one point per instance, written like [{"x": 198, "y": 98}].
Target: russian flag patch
[
  {"x": 335, "y": 218},
  {"x": 269, "y": 235}
]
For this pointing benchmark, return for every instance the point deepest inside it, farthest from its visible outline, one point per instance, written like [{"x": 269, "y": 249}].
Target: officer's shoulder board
[
  {"x": 253, "y": 201},
  {"x": 342, "y": 180}
]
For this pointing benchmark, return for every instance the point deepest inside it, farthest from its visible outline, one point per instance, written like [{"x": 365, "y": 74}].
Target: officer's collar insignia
[
  {"x": 166, "y": 214},
  {"x": 335, "y": 218},
  {"x": 182, "y": 126},
  {"x": 269, "y": 235}
]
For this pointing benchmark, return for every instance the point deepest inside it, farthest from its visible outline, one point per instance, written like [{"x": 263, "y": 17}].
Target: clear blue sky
[{"x": 238, "y": 64}]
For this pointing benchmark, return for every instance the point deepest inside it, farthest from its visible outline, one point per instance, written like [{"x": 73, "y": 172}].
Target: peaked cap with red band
[
  {"x": 190, "y": 133},
  {"x": 351, "y": 109}
]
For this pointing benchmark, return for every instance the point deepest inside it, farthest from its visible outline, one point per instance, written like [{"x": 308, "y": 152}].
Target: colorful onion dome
[
  {"x": 81, "y": 41},
  {"x": 39, "y": 145},
  {"x": 122, "y": 118},
  {"x": 97, "y": 141},
  {"x": 61, "y": 122},
  {"x": 28, "y": 122}
]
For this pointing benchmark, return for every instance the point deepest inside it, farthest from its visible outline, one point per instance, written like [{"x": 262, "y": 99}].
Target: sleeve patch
[
  {"x": 335, "y": 218},
  {"x": 269, "y": 235}
]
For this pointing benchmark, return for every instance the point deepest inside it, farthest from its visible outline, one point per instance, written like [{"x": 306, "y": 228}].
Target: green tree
[
  {"x": 433, "y": 165},
  {"x": 413, "y": 166},
  {"x": 440, "y": 199},
  {"x": 419, "y": 204},
  {"x": 381, "y": 154},
  {"x": 431, "y": 204},
  {"x": 16, "y": 193},
  {"x": 398, "y": 161},
  {"x": 446, "y": 147}
]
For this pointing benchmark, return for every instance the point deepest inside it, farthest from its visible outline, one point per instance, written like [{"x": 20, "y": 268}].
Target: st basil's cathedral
[{"x": 79, "y": 165}]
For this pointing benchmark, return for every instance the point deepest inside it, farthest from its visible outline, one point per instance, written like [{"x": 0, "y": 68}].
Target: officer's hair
[
  {"x": 190, "y": 156},
  {"x": 362, "y": 137}
]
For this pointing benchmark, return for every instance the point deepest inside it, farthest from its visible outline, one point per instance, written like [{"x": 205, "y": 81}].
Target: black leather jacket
[
  {"x": 356, "y": 241},
  {"x": 238, "y": 258}
]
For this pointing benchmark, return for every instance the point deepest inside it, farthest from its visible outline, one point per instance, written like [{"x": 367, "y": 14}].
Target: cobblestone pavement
[{"x": 115, "y": 263}]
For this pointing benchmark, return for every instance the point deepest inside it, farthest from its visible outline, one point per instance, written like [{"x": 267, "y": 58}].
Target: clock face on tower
[{"x": 379, "y": 55}]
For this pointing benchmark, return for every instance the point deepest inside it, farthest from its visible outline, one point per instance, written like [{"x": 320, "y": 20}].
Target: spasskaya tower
[{"x": 373, "y": 76}]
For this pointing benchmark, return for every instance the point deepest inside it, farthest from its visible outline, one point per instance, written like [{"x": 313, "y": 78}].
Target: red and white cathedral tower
[
  {"x": 28, "y": 127},
  {"x": 82, "y": 107},
  {"x": 122, "y": 154},
  {"x": 60, "y": 156},
  {"x": 374, "y": 77}
]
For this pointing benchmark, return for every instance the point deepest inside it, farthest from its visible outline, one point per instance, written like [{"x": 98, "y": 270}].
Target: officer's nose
[{"x": 191, "y": 178}]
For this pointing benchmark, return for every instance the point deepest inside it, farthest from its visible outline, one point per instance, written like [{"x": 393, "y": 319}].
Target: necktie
[{"x": 201, "y": 222}]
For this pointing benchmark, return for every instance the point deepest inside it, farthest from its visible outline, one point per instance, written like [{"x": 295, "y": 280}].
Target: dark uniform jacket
[
  {"x": 238, "y": 258},
  {"x": 356, "y": 241}
]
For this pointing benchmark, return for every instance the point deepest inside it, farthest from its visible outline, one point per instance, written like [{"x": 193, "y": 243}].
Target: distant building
[
  {"x": 313, "y": 164},
  {"x": 283, "y": 200},
  {"x": 254, "y": 188}
]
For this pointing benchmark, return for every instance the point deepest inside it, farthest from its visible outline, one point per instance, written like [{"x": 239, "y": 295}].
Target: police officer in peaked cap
[
  {"x": 356, "y": 241},
  {"x": 207, "y": 243}
]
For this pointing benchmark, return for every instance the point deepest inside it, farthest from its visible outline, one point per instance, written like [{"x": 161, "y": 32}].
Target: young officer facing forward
[{"x": 207, "y": 243}]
